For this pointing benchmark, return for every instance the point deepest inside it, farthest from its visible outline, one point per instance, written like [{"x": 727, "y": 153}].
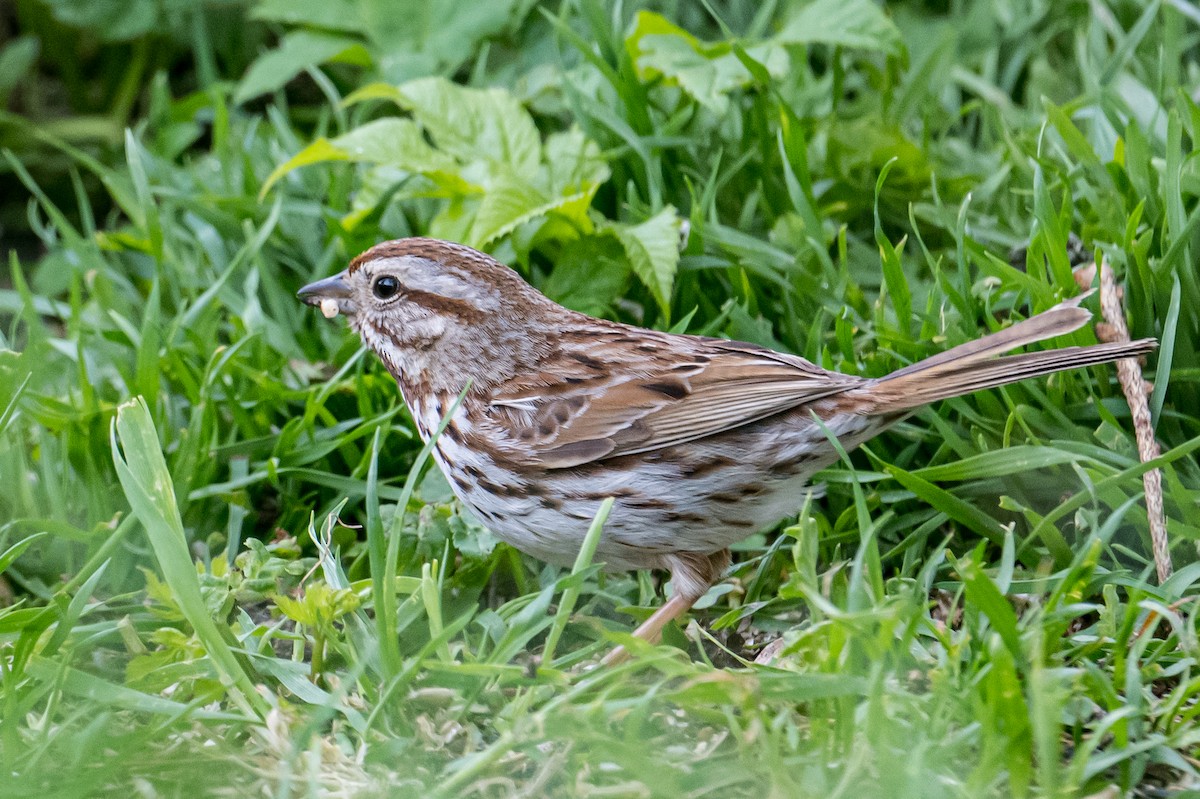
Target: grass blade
[
  {"x": 571, "y": 594},
  {"x": 144, "y": 477},
  {"x": 383, "y": 575}
]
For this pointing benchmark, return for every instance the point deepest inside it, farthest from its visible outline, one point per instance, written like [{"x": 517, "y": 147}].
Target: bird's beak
[{"x": 331, "y": 295}]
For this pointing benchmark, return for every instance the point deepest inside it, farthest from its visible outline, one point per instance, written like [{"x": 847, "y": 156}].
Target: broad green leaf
[
  {"x": 334, "y": 15},
  {"x": 706, "y": 72},
  {"x": 319, "y": 606},
  {"x": 848, "y": 23},
  {"x": 296, "y": 52},
  {"x": 651, "y": 23},
  {"x": 589, "y": 275},
  {"x": 393, "y": 142},
  {"x": 653, "y": 250},
  {"x": 120, "y": 20},
  {"x": 574, "y": 210},
  {"x": 17, "y": 57},
  {"x": 425, "y": 37},
  {"x": 474, "y": 124},
  {"x": 507, "y": 202},
  {"x": 487, "y": 160},
  {"x": 510, "y": 202}
]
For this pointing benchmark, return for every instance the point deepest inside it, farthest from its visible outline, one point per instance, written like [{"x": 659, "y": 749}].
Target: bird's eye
[{"x": 385, "y": 287}]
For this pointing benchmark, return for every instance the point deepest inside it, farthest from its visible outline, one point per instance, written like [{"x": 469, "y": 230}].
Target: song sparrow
[{"x": 701, "y": 441}]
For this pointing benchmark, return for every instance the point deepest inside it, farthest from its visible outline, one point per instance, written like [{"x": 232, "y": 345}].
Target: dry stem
[{"x": 1135, "y": 388}]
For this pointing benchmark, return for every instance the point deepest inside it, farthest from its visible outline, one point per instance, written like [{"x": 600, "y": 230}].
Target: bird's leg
[
  {"x": 692, "y": 575},
  {"x": 651, "y": 629}
]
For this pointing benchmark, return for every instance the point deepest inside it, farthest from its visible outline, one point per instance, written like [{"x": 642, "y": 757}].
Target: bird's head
[{"x": 421, "y": 304}]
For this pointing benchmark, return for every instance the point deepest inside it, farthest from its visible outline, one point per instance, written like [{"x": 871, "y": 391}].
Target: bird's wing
[{"x": 603, "y": 401}]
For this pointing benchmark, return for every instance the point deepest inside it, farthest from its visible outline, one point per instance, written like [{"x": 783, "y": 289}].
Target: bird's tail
[{"x": 973, "y": 366}]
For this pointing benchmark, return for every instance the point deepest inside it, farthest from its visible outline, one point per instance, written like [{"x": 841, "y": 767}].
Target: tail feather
[{"x": 973, "y": 366}]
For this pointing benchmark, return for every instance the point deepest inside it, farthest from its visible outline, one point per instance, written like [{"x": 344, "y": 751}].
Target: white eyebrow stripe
[{"x": 420, "y": 274}]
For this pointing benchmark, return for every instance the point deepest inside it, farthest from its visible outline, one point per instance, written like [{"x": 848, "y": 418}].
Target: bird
[{"x": 700, "y": 442}]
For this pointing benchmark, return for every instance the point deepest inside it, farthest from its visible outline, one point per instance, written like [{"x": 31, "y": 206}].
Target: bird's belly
[{"x": 697, "y": 497}]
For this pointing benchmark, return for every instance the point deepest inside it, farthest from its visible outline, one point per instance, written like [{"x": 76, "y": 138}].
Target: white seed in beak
[{"x": 329, "y": 308}]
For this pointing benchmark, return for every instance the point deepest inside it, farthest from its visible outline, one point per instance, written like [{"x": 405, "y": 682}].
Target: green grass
[{"x": 969, "y": 610}]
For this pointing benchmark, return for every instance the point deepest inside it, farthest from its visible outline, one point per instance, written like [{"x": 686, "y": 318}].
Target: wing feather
[{"x": 582, "y": 413}]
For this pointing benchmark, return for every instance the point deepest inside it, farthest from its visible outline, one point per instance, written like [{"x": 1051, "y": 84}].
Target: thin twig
[{"x": 1136, "y": 390}]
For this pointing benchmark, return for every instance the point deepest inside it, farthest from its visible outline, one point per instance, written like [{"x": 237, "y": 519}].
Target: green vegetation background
[{"x": 967, "y": 611}]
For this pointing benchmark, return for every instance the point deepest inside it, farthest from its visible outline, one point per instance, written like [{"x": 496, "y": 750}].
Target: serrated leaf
[
  {"x": 510, "y": 202},
  {"x": 471, "y": 124},
  {"x": 487, "y": 161},
  {"x": 653, "y": 251},
  {"x": 507, "y": 202},
  {"x": 319, "y": 606},
  {"x": 848, "y": 23}
]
